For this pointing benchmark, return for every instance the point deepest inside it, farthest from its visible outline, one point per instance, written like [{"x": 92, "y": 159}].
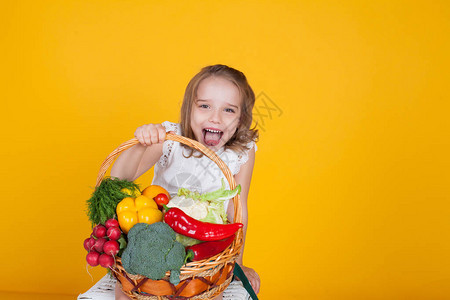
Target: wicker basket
[{"x": 203, "y": 279}]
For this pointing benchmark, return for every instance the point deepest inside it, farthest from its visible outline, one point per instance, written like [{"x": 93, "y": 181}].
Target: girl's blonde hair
[{"x": 244, "y": 134}]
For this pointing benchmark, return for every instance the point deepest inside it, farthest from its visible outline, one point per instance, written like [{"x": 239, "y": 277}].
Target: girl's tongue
[{"x": 211, "y": 138}]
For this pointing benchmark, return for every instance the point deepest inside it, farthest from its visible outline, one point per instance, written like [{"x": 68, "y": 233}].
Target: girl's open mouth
[{"x": 211, "y": 136}]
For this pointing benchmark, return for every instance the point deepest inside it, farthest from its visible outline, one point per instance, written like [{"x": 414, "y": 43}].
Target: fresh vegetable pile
[{"x": 154, "y": 233}]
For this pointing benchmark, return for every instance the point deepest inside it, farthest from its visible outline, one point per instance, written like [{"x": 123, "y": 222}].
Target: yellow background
[{"x": 350, "y": 192}]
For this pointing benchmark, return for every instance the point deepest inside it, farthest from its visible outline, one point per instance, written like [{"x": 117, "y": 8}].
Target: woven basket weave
[{"x": 204, "y": 279}]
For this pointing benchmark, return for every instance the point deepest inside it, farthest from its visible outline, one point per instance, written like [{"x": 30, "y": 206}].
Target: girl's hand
[
  {"x": 150, "y": 134},
  {"x": 253, "y": 277}
]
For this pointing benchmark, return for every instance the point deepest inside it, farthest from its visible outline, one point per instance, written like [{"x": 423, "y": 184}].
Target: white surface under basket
[{"x": 104, "y": 290}]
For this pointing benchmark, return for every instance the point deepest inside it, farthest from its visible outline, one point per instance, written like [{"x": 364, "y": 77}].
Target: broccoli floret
[
  {"x": 173, "y": 258},
  {"x": 136, "y": 229},
  {"x": 152, "y": 250}
]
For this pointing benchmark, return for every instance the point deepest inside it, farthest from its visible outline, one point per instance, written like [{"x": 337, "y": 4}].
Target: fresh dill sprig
[{"x": 102, "y": 204}]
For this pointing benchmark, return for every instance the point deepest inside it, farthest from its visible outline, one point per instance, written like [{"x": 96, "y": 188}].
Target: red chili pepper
[
  {"x": 207, "y": 249},
  {"x": 203, "y": 231}
]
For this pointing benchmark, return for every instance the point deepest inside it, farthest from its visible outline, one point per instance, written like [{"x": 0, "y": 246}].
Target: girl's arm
[
  {"x": 244, "y": 178},
  {"x": 136, "y": 160}
]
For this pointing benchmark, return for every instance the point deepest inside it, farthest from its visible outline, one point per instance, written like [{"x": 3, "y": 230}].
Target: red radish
[
  {"x": 85, "y": 244},
  {"x": 113, "y": 233},
  {"x": 89, "y": 243},
  {"x": 111, "y": 248},
  {"x": 112, "y": 223},
  {"x": 99, "y": 231},
  {"x": 98, "y": 246},
  {"x": 106, "y": 260},
  {"x": 92, "y": 258}
]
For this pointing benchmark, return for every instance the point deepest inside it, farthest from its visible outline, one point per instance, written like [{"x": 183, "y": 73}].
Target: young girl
[{"x": 217, "y": 112}]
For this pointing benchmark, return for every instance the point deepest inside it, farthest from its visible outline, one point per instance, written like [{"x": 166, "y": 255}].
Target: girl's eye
[
  {"x": 230, "y": 110},
  {"x": 203, "y": 106}
]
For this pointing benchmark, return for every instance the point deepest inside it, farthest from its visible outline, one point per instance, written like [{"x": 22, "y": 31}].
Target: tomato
[{"x": 161, "y": 199}]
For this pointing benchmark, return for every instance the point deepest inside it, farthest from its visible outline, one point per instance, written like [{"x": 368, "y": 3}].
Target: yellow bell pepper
[{"x": 131, "y": 211}]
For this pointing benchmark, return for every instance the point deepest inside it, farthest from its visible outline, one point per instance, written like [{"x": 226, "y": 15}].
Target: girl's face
[{"x": 216, "y": 111}]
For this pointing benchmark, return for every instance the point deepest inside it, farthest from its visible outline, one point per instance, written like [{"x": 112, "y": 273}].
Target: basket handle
[{"x": 186, "y": 141}]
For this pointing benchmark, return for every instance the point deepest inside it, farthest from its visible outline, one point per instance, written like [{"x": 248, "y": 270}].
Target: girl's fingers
[
  {"x": 138, "y": 135},
  {"x": 254, "y": 279},
  {"x": 150, "y": 134},
  {"x": 255, "y": 285},
  {"x": 146, "y": 133},
  {"x": 153, "y": 132},
  {"x": 162, "y": 134},
  {"x": 147, "y": 139}
]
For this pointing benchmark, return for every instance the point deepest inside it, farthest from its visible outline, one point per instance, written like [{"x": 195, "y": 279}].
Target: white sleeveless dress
[{"x": 174, "y": 170}]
